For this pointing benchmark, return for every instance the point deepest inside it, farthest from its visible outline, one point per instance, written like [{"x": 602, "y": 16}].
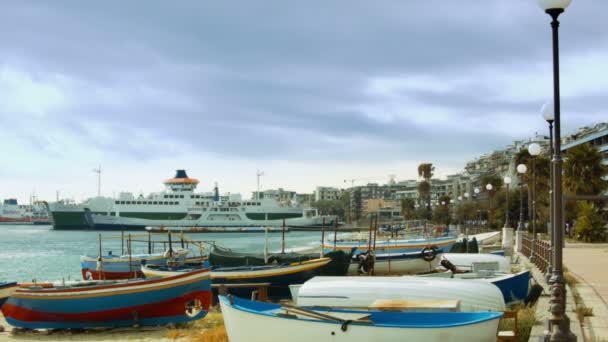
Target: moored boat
[
  {"x": 363, "y": 291},
  {"x": 393, "y": 246},
  {"x": 279, "y": 276},
  {"x": 514, "y": 287},
  {"x": 399, "y": 263},
  {"x": 125, "y": 266},
  {"x": 465, "y": 262},
  {"x": 339, "y": 264},
  {"x": 150, "y": 302},
  {"x": 487, "y": 238},
  {"x": 6, "y": 290},
  {"x": 257, "y": 321}
]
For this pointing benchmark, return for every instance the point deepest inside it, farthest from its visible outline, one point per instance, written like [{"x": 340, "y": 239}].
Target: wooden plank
[{"x": 390, "y": 304}]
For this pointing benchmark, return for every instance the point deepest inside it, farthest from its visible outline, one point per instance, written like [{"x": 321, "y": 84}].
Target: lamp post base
[{"x": 559, "y": 322}]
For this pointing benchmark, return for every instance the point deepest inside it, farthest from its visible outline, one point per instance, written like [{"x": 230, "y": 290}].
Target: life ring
[{"x": 429, "y": 254}]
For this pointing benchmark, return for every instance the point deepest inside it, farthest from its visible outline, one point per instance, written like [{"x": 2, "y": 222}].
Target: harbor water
[{"x": 29, "y": 252}]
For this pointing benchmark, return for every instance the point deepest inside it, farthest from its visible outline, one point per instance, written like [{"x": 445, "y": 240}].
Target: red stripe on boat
[
  {"x": 114, "y": 286},
  {"x": 168, "y": 308}
]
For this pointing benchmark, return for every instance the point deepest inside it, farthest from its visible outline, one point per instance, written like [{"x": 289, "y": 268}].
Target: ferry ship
[
  {"x": 12, "y": 212},
  {"x": 180, "y": 206}
]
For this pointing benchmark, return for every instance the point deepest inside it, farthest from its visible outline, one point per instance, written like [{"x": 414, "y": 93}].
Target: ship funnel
[
  {"x": 216, "y": 193},
  {"x": 181, "y": 174}
]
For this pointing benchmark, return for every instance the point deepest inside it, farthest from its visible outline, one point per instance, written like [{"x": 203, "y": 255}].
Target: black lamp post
[
  {"x": 521, "y": 169},
  {"x": 559, "y": 321},
  {"x": 533, "y": 150},
  {"x": 549, "y": 116},
  {"x": 507, "y": 181}
]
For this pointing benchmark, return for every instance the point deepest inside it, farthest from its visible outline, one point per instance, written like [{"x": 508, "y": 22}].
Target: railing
[{"x": 537, "y": 250}]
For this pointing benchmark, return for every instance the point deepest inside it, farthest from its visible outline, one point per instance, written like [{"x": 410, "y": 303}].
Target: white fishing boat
[
  {"x": 361, "y": 292},
  {"x": 392, "y": 245},
  {"x": 400, "y": 263},
  {"x": 486, "y": 238},
  {"x": 465, "y": 262},
  {"x": 257, "y": 321}
]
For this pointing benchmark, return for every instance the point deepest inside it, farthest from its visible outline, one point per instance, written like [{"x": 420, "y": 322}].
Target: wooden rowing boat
[{"x": 257, "y": 321}]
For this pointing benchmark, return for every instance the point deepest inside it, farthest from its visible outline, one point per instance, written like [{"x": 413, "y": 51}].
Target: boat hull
[
  {"x": 464, "y": 262},
  {"x": 408, "y": 263},
  {"x": 124, "y": 267},
  {"x": 143, "y": 302},
  {"x": 443, "y": 244},
  {"x": 339, "y": 264},
  {"x": 279, "y": 277},
  {"x": 257, "y": 322},
  {"x": 363, "y": 291},
  {"x": 514, "y": 287},
  {"x": 6, "y": 290}
]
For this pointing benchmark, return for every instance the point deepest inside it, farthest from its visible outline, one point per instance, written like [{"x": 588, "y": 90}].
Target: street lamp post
[
  {"x": 549, "y": 116},
  {"x": 507, "y": 181},
  {"x": 489, "y": 188},
  {"x": 521, "y": 169},
  {"x": 533, "y": 150},
  {"x": 560, "y": 323}
]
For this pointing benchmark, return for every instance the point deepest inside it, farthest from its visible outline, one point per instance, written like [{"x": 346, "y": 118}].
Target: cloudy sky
[{"x": 310, "y": 92}]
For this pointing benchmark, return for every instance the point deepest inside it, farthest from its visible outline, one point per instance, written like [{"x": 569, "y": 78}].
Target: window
[
  {"x": 181, "y": 196},
  {"x": 116, "y": 202},
  {"x": 155, "y": 202},
  {"x": 138, "y": 202},
  {"x": 165, "y": 196}
]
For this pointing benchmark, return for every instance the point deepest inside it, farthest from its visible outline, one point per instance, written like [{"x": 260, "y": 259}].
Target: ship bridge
[{"x": 181, "y": 182}]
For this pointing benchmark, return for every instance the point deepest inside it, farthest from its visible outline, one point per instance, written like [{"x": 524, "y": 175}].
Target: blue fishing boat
[
  {"x": 6, "y": 290},
  {"x": 279, "y": 276},
  {"x": 514, "y": 287},
  {"x": 121, "y": 303},
  {"x": 258, "y": 321}
]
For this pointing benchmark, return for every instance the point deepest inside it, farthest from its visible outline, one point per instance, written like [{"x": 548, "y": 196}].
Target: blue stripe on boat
[
  {"x": 380, "y": 318},
  {"x": 116, "y": 324},
  {"x": 109, "y": 301}
]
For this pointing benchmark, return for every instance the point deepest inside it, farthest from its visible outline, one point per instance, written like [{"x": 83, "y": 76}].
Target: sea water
[{"x": 40, "y": 253}]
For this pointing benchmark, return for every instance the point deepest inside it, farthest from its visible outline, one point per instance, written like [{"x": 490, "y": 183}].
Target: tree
[
  {"x": 584, "y": 171},
  {"x": 425, "y": 171},
  {"x": 408, "y": 209},
  {"x": 441, "y": 214},
  {"x": 539, "y": 170},
  {"x": 589, "y": 225}
]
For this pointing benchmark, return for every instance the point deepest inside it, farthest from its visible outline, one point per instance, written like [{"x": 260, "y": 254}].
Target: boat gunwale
[{"x": 486, "y": 316}]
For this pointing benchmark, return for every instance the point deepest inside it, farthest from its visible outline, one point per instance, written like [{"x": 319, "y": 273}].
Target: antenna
[
  {"x": 98, "y": 172},
  {"x": 259, "y": 174}
]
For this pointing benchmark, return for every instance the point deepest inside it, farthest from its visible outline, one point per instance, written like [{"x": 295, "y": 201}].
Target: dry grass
[
  {"x": 526, "y": 319},
  {"x": 583, "y": 311},
  {"x": 209, "y": 329},
  {"x": 516, "y": 268},
  {"x": 570, "y": 278}
]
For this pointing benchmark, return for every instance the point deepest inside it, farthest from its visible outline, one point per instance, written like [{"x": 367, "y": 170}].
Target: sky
[{"x": 311, "y": 93}]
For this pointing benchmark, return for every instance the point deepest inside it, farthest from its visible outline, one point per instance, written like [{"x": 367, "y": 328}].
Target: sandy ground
[{"x": 589, "y": 261}]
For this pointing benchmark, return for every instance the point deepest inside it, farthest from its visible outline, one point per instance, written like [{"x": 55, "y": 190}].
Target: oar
[{"x": 318, "y": 315}]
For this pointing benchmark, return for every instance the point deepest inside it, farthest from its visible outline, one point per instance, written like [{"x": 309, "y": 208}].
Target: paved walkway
[{"x": 588, "y": 263}]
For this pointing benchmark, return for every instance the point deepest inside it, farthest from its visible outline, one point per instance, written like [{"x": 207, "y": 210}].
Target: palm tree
[
  {"x": 584, "y": 171},
  {"x": 425, "y": 171}
]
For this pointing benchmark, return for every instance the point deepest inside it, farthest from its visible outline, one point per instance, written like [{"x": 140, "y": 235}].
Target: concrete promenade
[{"x": 587, "y": 262}]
